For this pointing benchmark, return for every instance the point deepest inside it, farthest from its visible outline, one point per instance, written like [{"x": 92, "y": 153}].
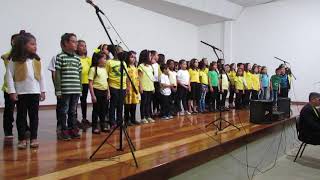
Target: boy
[
  {"x": 68, "y": 85},
  {"x": 165, "y": 92},
  {"x": 275, "y": 86}
]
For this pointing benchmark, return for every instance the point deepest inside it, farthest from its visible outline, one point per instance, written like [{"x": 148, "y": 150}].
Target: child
[
  {"x": 165, "y": 92},
  {"x": 204, "y": 80},
  {"x": 156, "y": 75},
  {"x": 173, "y": 81},
  {"x": 264, "y": 79},
  {"x": 256, "y": 86},
  {"x": 26, "y": 86},
  {"x": 225, "y": 85},
  {"x": 104, "y": 48},
  {"x": 147, "y": 88},
  {"x": 85, "y": 63},
  {"x": 248, "y": 77},
  {"x": 284, "y": 83},
  {"x": 8, "y": 104},
  {"x": 214, "y": 86},
  {"x": 232, "y": 76},
  {"x": 98, "y": 85},
  {"x": 68, "y": 86},
  {"x": 117, "y": 92},
  {"x": 132, "y": 98},
  {"x": 183, "y": 81},
  {"x": 240, "y": 86},
  {"x": 275, "y": 86},
  {"x": 195, "y": 85}
]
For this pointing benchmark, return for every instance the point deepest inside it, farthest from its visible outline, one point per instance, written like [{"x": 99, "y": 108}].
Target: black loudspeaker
[
  {"x": 261, "y": 111},
  {"x": 284, "y": 105}
]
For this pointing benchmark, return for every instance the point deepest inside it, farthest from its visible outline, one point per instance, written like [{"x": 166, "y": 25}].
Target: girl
[
  {"x": 104, "y": 48},
  {"x": 183, "y": 81},
  {"x": 264, "y": 80},
  {"x": 156, "y": 74},
  {"x": 85, "y": 63},
  {"x": 98, "y": 84},
  {"x": 165, "y": 92},
  {"x": 248, "y": 77},
  {"x": 147, "y": 88},
  {"x": 214, "y": 86},
  {"x": 195, "y": 85},
  {"x": 232, "y": 76},
  {"x": 132, "y": 98},
  {"x": 204, "y": 80},
  {"x": 26, "y": 86},
  {"x": 256, "y": 86},
  {"x": 173, "y": 81},
  {"x": 224, "y": 86},
  {"x": 8, "y": 104},
  {"x": 240, "y": 86}
]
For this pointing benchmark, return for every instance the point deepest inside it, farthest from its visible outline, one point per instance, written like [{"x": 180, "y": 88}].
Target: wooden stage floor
[{"x": 164, "y": 148}]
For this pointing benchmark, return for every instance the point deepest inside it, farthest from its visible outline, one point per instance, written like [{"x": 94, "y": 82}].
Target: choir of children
[{"x": 164, "y": 88}]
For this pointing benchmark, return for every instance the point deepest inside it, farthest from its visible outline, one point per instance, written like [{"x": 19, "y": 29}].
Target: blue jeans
[
  {"x": 68, "y": 107},
  {"x": 204, "y": 90},
  {"x": 274, "y": 96},
  {"x": 263, "y": 94}
]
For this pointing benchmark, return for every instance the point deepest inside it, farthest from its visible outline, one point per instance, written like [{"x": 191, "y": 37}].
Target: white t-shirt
[
  {"x": 164, "y": 79},
  {"x": 173, "y": 77},
  {"x": 52, "y": 64},
  {"x": 155, "y": 67},
  {"x": 183, "y": 76}
]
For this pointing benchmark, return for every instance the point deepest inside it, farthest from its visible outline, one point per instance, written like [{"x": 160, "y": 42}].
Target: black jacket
[{"x": 309, "y": 125}]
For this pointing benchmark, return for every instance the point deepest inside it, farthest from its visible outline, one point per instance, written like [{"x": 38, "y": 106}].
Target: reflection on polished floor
[{"x": 158, "y": 144}]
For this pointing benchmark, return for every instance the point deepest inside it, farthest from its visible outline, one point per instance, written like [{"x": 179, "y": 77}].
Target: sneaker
[
  {"x": 8, "y": 137},
  {"x": 165, "y": 118},
  {"x": 22, "y": 144},
  {"x": 74, "y": 134},
  {"x": 34, "y": 143},
  {"x": 144, "y": 121},
  {"x": 170, "y": 117},
  {"x": 65, "y": 135},
  {"x": 187, "y": 113},
  {"x": 151, "y": 120},
  {"x": 181, "y": 113}
]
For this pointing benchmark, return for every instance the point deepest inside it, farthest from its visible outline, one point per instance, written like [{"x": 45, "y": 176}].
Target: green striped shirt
[{"x": 68, "y": 71}]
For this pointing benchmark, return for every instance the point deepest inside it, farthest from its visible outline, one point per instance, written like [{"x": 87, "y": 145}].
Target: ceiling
[{"x": 248, "y": 3}]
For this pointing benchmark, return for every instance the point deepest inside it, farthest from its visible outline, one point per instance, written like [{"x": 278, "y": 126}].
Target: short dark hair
[
  {"x": 313, "y": 95},
  {"x": 66, "y": 38},
  {"x": 163, "y": 67},
  {"x": 162, "y": 59},
  {"x": 81, "y": 41}
]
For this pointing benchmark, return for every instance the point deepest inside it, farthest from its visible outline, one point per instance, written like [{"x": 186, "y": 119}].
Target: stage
[{"x": 164, "y": 149}]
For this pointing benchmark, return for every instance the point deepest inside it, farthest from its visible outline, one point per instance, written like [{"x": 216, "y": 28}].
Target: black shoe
[
  {"x": 135, "y": 123},
  {"x": 129, "y": 124},
  {"x": 64, "y": 135},
  {"x": 105, "y": 128}
]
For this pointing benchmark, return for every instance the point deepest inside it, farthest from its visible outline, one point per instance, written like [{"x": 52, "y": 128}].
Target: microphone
[
  {"x": 211, "y": 46},
  {"x": 95, "y": 6},
  {"x": 282, "y": 60}
]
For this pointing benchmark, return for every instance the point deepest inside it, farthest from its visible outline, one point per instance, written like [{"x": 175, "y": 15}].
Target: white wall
[
  {"x": 288, "y": 29},
  {"x": 48, "y": 20}
]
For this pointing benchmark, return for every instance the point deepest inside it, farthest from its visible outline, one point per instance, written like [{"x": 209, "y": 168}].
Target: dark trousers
[
  {"x": 214, "y": 98},
  {"x": 156, "y": 97},
  {"x": 145, "y": 106},
  {"x": 83, "y": 100},
  {"x": 254, "y": 95},
  {"x": 174, "y": 102},
  {"x": 224, "y": 98},
  {"x": 165, "y": 105},
  {"x": 231, "y": 95},
  {"x": 67, "y": 112},
  {"x": 99, "y": 108},
  {"x": 8, "y": 115},
  {"x": 240, "y": 98},
  {"x": 28, "y": 104},
  {"x": 182, "y": 96},
  {"x": 130, "y": 112},
  {"x": 284, "y": 92},
  {"x": 116, "y": 105},
  {"x": 247, "y": 97}
]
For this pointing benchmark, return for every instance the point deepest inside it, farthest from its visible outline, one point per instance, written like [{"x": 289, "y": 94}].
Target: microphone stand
[
  {"x": 121, "y": 125},
  {"x": 220, "y": 119},
  {"x": 286, "y": 63}
]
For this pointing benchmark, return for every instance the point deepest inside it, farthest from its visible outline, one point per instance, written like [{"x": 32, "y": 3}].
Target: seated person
[{"x": 309, "y": 123}]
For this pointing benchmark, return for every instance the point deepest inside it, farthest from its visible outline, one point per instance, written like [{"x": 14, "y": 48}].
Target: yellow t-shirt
[
  {"x": 131, "y": 96},
  {"x": 232, "y": 76},
  {"x": 147, "y": 78},
  {"x": 194, "y": 75},
  {"x": 204, "y": 79},
  {"x": 206, "y": 70},
  {"x": 256, "y": 82},
  {"x": 5, "y": 59},
  {"x": 100, "y": 79},
  {"x": 225, "y": 82},
  {"x": 239, "y": 83},
  {"x": 114, "y": 76},
  {"x": 248, "y": 77},
  {"x": 86, "y": 64}
]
